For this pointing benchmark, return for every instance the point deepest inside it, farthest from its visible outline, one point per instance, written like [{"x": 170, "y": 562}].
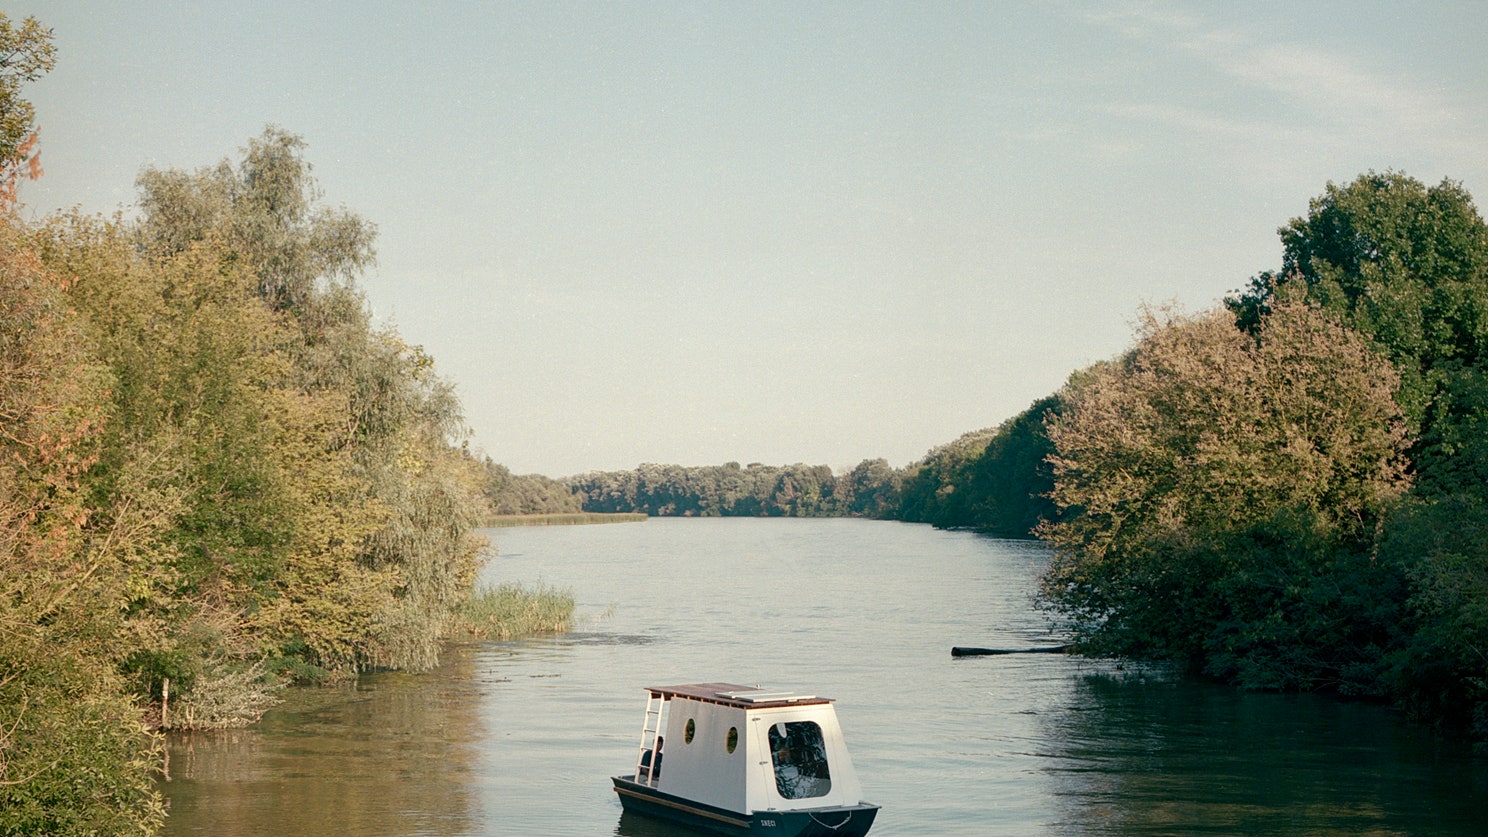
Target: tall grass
[
  {"x": 511, "y": 610},
  {"x": 562, "y": 519}
]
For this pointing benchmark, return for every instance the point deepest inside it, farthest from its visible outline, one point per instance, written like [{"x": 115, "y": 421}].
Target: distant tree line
[
  {"x": 995, "y": 481},
  {"x": 716, "y": 491},
  {"x": 509, "y": 494},
  {"x": 871, "y": 490}
]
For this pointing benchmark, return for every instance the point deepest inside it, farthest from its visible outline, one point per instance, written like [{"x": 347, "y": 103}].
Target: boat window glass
[
  {"x": 800, "y": 755},
  {"x": 688, "y": 732},
  {"x": 733, "y": 739}
]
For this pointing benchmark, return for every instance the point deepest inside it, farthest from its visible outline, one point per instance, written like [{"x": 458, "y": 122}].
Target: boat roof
[{"x": 733, "y": 694}]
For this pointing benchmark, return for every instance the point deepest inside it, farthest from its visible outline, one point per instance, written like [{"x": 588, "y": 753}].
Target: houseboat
[{"x": 744, "y": 760}]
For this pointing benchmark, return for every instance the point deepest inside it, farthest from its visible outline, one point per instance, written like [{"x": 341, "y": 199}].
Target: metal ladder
[{"x": 645, "y": 773}]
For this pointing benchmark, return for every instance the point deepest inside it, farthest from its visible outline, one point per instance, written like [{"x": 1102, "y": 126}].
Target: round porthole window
[
  {"x": 733, "y": 739},
  {"x": 689, "y": 731}
]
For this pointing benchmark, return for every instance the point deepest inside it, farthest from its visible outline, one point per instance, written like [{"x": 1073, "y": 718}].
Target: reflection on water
[
  {"x": 520, "y": 738},
  {"x": 1143, "y": 753},
  {"x": 639, "y": 825},
  {"x": 392, "y": 756}
]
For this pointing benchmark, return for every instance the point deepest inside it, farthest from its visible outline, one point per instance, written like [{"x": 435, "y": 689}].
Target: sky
[{"x": 701, "y": 232}]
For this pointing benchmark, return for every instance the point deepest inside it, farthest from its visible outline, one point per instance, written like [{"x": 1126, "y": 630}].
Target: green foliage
[
  {"x": 214, "y": 471},
  {"x": 1214, "y": 485},
  {"x": 509, "y": 493},
  {"x": 1407, "y": 266},
  {"x": 1404, "y": 264},
  {"x": 430, "y": 542},
  {"x": 715, "y": 491},
  {"x": 1440, "y": 669},
  {"x": 74, "y": 755},
  {"x": 1011, "y": 481},
  {"x": 349, "y": 514},
  {"x": 873, "y": 490},
  {"x": 271, "y": 484},
  {"x": 266, "y": 211},
  {"x": 228, "y": 694},
  {"x": 322, "y": 597},
  {"x": 569, "y": 519},
  {"x": 937, "y": 489},
  {"x": 995, "y": 481},
  {"x": 1451, "y": 454}
]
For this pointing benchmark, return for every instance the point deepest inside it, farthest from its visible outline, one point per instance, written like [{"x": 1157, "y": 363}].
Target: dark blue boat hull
[{"x": 849, "y": 821}]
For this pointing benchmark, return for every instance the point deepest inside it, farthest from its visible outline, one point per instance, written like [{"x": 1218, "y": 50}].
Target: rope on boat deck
[{"x": 847, "y": 818}]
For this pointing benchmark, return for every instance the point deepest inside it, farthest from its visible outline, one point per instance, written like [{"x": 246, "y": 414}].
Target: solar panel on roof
[{"x": 762, "y": 696}]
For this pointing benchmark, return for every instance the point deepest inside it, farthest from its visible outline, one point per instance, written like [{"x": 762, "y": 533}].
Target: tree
[
  {"x": 399, "y": 424},
  {"x": 1403, "y": 264},
  {"x": 509, "y": 493},
  {"x": 1439, "y": 672},
  {"x": 306, "y": 505},
  {"x": 727, "y": 490},
  {"x": 936, "y": 489},
  {"x": 1010, "y": 482},
  {"x": 873, "y": 489},
  {"x": 74, "y": 754},
  {"x": 26, "y": 54},
  {"x": 200, "y": 448},
  {"x": 1210, "y": 483},
  {"x": 1407, "y": 265},
  {"x": 266, "y": 209}
]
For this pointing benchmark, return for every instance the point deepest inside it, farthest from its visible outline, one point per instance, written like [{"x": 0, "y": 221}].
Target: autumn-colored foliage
[
  {"x": 63, "y": 710},
  {"x": 211, "y": 482},
  {"x": 26, "y": 54},
  {"x": 1212, "y": 481}
]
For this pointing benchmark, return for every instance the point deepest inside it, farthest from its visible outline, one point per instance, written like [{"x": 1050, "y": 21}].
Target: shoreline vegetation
[
  {"x": 563, "y": 519},
  {"x": 512, "y": 610},
  {"x": 495, "y": 613}
]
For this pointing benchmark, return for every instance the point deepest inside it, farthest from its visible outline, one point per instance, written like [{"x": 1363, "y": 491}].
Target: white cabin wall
[{"x": 704, "y": 770}]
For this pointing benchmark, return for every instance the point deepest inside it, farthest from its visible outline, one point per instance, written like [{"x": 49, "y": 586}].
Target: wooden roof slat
[{"x": 736, "y": 695}]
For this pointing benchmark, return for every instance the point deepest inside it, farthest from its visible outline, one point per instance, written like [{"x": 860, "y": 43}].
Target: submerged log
[{"x": 960, "y": 651}]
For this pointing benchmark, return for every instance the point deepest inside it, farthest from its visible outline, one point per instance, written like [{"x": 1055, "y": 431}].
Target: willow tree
[
  {"x": 400, "y": 424},
  {"x": 1215, "y": 486}
]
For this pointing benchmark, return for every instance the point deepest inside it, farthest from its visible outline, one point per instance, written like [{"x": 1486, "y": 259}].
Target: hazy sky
[{"x": 778, "y": 232}]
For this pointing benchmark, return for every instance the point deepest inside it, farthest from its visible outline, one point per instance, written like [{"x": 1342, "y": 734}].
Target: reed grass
[
  {"x": 562, "y": 519},
  {"x": 511, "y": 610}
]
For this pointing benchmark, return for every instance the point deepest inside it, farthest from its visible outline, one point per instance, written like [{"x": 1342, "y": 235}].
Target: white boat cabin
[{"x": 745, "y": 749}]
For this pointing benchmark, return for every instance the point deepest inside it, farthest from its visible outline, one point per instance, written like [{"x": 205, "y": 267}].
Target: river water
[{"x": 521, "y": 738}]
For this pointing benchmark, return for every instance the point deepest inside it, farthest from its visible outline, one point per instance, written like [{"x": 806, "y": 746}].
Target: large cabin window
[{"x": 800, "y": 756}]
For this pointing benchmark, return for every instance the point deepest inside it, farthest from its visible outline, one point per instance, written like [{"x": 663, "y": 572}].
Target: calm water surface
[{"x": 521, "y": 738}]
